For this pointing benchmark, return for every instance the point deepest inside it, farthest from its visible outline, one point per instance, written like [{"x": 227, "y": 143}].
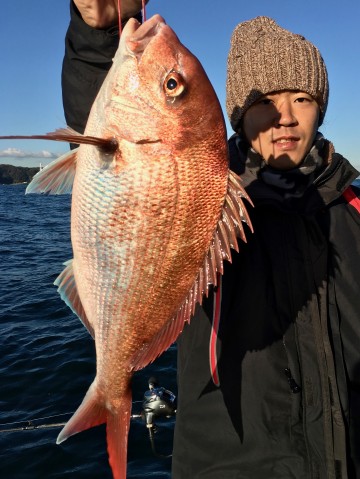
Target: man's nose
[{"x": 285, "y": 114}]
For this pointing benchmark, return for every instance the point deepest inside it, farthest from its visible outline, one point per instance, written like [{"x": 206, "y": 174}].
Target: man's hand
[{"x": 104, "y": 13}]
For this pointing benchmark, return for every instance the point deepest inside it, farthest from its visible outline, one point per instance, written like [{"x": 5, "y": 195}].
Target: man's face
[{"x": 281, "y": 127}]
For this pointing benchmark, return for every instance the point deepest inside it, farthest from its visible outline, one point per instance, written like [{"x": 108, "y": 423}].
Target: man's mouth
[{"x": 286, "y": 139}]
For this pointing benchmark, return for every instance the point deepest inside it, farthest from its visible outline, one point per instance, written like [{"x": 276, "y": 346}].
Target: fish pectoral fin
[
  {"x": 68, "y": 292},
  {"x": 108, "y": 144},
  {"x": 56, "y": 178}
]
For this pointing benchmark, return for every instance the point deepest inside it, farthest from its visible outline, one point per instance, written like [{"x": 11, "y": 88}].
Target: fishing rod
[{"x": 158, "y": 402}]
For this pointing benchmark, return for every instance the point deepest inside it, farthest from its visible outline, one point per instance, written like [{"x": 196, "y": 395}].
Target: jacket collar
[{"x": 320, "y": 179}]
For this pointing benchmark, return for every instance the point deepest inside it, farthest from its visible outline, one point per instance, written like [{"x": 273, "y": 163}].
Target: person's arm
[
  {"x": 104, "y": 13},
  {"x": 90, "y": 44}
]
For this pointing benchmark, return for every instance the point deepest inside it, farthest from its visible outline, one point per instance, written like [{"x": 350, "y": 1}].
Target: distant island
[{"x": 10, "y": 175}]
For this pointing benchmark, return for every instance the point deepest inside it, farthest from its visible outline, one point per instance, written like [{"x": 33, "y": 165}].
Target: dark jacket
[
  {"x": 288, "y": 348},
  {"x": 87, "y": 60}
]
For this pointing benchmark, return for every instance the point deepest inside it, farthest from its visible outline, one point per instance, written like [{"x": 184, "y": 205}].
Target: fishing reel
[{"x": 158, "y": 402}]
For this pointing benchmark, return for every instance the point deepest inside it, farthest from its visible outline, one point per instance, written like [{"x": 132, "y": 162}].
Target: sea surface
[{"x": 48, "y": 358}]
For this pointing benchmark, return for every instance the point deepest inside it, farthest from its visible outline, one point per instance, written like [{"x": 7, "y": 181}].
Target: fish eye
[
  {"x": 171, "y": 84},
  {"x": 174, "y": 84}
]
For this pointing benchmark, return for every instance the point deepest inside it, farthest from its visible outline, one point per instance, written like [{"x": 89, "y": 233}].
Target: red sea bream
[{"x": 155, "y": 211}]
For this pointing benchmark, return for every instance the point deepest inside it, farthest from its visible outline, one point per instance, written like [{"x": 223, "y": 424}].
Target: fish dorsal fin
[
  {"x": 229, "y": 228},
  {"x": 56, "y": 178},
  {"x": 69, "y": 293}
]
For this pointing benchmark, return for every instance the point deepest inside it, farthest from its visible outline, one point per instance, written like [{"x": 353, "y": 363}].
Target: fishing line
[
  {"x": 119, "y": 16},
  {"x": 143, "y": 10},
  {"x": 31, "y": 424}
]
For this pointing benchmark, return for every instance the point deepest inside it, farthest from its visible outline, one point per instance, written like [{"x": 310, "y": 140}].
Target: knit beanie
[{"x": 265, "y": 58}]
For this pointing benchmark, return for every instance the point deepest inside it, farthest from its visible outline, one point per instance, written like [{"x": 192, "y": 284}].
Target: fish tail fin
[
  {"x": 91, "y": 412},
  {"x": 117, "y": 430}
]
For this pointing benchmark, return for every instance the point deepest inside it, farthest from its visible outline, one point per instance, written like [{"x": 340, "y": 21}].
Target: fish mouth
[{"x": 138, "y": 36}]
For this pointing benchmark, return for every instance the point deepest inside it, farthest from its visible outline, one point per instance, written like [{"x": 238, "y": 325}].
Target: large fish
[{"x": 155, "y": 211}]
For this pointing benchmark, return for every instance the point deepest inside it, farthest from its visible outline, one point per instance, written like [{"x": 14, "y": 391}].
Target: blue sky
[{"x": 32, "y": 46}]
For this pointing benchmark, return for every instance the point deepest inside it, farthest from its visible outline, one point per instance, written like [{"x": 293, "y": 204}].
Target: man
[
  {"x": 288, "y": 360},
  {"x": 288, "y": 345}
]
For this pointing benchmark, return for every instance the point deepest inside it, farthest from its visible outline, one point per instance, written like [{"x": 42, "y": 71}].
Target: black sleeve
[{"x": 88, "y": 57}]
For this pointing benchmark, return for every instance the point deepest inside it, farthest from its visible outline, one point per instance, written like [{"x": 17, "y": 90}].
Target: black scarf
[{"x": 289, "y": 183}]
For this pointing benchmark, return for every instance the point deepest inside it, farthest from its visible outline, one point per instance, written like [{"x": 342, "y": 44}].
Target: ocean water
[{"x": 48, "y": 357}]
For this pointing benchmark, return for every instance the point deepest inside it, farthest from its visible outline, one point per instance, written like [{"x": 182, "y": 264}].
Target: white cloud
[{"x": 17, "y": 153}]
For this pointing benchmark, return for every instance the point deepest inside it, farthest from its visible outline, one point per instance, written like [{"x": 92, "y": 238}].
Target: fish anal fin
[
  {"x": 56, "y": 178},
  {"x": 68, "y": 292},
  {"x": 170, "y": 332}
]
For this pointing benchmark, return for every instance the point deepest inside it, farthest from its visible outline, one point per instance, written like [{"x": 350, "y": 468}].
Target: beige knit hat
[{"x": 265, "y": 58}]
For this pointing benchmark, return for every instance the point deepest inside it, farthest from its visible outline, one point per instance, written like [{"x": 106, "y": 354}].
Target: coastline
[{"x": 16, "y": 175}]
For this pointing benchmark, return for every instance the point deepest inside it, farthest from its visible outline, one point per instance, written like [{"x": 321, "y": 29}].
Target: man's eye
[
  {"x": 264, "y": 101},
  {"x": 303, "y": 99}
]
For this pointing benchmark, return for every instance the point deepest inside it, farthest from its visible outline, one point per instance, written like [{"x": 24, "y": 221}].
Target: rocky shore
[{"x": 10, "y": 174}]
